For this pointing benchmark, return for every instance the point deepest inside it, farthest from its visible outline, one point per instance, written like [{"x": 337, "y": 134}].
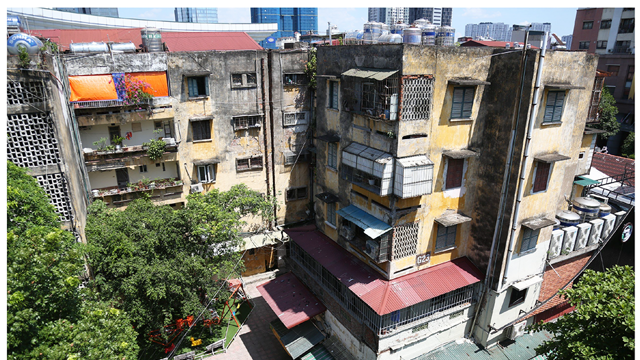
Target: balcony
[
  {"x": 621, "y": 50},
  {"x": 127, "y": 156},
  {"x": 160, "y": 190}
]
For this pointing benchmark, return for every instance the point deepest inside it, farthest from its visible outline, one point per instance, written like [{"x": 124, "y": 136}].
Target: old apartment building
[{"x": 439, "y": 176}]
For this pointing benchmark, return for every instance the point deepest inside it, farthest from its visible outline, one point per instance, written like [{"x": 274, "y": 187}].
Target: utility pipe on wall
[{"x": 525, "y": 160}]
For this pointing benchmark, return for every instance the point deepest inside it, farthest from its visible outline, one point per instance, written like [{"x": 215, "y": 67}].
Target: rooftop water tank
[
  {"x": 93, "y": 47},
  {"x": 30, "y": 43},
  {"x": 429, "y": 34},
  {"x": 124, "y": 47},
  {"x": 420, "y": 23},
  {"x": 372, "y": 31},
  {"x": 605, "y": 210},
  {"x": 567, "y": 218},
  {"x": 412, "y": 35},
  {"x": 445, "y": 36},
  {"x": 151, "y": 39},
  {"x": 586, "y": 207},
  {"x": 397, "y": 28}
]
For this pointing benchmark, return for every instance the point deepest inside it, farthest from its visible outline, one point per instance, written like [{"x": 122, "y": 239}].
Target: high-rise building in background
[
  {"x": 289, "y": 20},
  {"x": 546, "y": 27},
  {"x": 567, "y": 41},
  {"x": 112, "y": 12},
  {"x": 496, "y": 31},
  {"x": 389, "y": 16},
  {"x": 197, "y": 15},
  {"x": 437, "y": 16}
]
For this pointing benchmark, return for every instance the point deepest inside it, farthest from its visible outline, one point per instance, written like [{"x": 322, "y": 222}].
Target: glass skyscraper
[
  {"x": 289, "y": 20},
  {"x": 197, "y": 15}
]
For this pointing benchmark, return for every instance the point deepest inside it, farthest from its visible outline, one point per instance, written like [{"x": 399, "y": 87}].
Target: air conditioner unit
[
  {"x": 555, "y": 247},
  {"x": 570, "y": 233},
  {"x": 619, "y": 217},
  {"x": 169, "y": 141},
  {"x": 372, "y": 249},
  {"x": 197, "y": 188},
  {"x": 583, "y": 235},
  {"x": 347, "y": 232},
  {"x": 517, "y": 330},
  {"x": 607, "y": 227},
  {"x": 596, "y": 231}
]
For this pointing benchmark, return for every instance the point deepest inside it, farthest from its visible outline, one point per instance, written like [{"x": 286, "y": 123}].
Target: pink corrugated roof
[
  {"x": 382, "y": 295},
  {"x": 290, "y": 300},
  {"x": 613, "y": 165},
  {"x": 65, "y": 37},
  {"x": 500, "y": 44},
  {"x": 175, "y": 41},
  {"x": 204, "y": 41}
]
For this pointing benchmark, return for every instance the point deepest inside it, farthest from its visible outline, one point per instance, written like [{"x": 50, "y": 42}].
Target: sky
[{"x": 561, "y": 19}]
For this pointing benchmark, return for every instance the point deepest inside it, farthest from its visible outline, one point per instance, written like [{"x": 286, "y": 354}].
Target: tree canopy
[
  {"x": 607, "y": 112},
  {"x": 48, "y": 314},
  {"x": 602, "y": 325},
  {"x": 629, "y": 146},
  {"x": 163, "y": 264}
]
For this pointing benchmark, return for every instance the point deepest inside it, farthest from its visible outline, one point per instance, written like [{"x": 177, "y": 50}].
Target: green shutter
[{"x": 193, "y": 87}]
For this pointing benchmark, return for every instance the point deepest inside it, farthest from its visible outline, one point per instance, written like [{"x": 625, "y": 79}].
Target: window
[
  {"x": 626, "y": 26},
  {"x": 207, "y": 173},
  {"x": 628, "y": 81},
  {"x": 601, "y": 44},
  {"x": 201, "y": 130},
  {"x": 605, "y": 24},
  {"x": 541, "y": 177},
  {"x": 517, "y": 296},
  {"x": 462, "y": 102},
  {"x": 553, "y": 108},
  {"x": 246, "y": 122},
  {"x": 331, "y": 214},
  {"x": 611, "y": 89},
  {"x": 332, "y": 156},
  {"x": 198, "y": 86},
  {"x": 379, "y": 98},
  {"x": 587, "y": 25},
  {"x": 298, "y": 193},
  {"x": 454, "y": 173},
  {"x": 334, "y": 87},
  {"x": 143, "y": 168},
  {"x": 249, "y": 163},
  {"x": 622, "y": 47},
  {"x": 529, "y": 239},
  {"x": 613, "y": 69},
  {"x": 295, "y": 79},
  {"x": 446, "y": 237},
  {"x": 243, "y": 80},
  {"x": 294, "y": 118},
  {"x": 583, "y": 45}
]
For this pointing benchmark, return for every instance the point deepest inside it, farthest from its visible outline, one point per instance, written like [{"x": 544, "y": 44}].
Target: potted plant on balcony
[
  {"x": 117, "y": 141},
  {"x": 156, "y": 149},
  {"x": 101, "y": 145}
]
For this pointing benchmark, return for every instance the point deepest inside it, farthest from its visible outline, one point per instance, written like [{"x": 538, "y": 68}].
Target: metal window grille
[
  {"x": 380, "y": 98},
  {"x": 31, "y": 140},
  {"x": 242, "y": 164},
  {"x": 236, "y": 79},
  {"x": 24, "y": 92},
  {"x": 417, "y": 98},
  {"x": 55, "y": 185},
  {"x": 334, "y": 87},
  {"x": 362, "y": 179},
  {"x": 295, "y": 79},
  {"x": 294, "y": 118},
  {"x": 297, "y": 193},
  {"x": 405, "y": 240},
  {"x": 553, "y": 107},
  {"x": 245, "y": 122},
  {"x": 332, "y": 158},
  {"x": 256, "y": 162}
]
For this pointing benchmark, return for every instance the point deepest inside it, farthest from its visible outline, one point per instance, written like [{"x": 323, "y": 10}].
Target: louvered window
[
  {"x": 542, "y": 177},
  {"x": 553, "y": 108},
  {"x": 454, "y": 173},
  {"x": 198, "y": 86},
  {"x": 462, "y": 102}
]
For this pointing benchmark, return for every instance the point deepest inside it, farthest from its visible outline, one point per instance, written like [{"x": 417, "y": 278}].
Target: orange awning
[
  {"x": 92, "y": 88},
  {"x": 156, "y": 79}
]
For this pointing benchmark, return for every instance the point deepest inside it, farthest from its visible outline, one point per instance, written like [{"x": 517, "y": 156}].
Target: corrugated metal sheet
[
  {"x": 298, "y": 340},
  {"x": 583, "y": 181},
  {"x": 319, "y": 352},
  {"x": 414, "y": 176},
  {"x": 366, "y": 73},
  {"x": 614, "y": 165},
  {"x": 372, "y": 226},
  {"x": 204, "y": 41},
  {"x": 383, "y": 296},
  {"x": 290, "y": 300},
  {"x": 65, "y": 37}
]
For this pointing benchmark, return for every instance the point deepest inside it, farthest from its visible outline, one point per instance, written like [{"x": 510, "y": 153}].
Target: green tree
[
  {"x": 44, "y": 264},
  {"x": 602, "y": 325},
  {"x": 629, "y": 146},
  {"x": 607, "y": 112},
  {"x": 162, "y": 264}
]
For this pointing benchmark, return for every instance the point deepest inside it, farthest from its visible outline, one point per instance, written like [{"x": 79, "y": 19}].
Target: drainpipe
[
  {"x": 264, "y": 132},
  {"x": 525, "y": 159},
  {"x": 272, "y": 130}
]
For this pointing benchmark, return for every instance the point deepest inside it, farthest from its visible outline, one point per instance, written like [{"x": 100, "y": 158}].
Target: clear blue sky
[{"x": 561, "y": 19}]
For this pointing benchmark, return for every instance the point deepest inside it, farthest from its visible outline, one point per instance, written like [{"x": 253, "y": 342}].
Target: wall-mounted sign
[
  {"x": 626, "y": 233},
  {"x": 423, "y": 259}
]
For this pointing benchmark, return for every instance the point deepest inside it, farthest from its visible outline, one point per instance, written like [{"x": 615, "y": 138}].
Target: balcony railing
[
  {"x": 108, "y": 103},
  {"x": 117, "y": 155},
  {"x": 162, "y": 189},
  {"x": 621, "y": 50}
]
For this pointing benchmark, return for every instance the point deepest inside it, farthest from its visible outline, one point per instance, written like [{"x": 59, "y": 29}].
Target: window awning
[
  {"x": 201, "y": 118},
  {"x": 583, "y": 181},
  {"x": 551, "y": 157},
  {"x": 330, "y": 138},
  {"x": 468, "y": 82},
  {"x": 538, "y": 223},
  {"x": 367, "y": 73},
  {"x": 589, "y": 131},
  {"x": 298, "y": 340},
  {"x": 459, "y": 154},
  {"x": 452, "y": 218},
  {"x": 206, "y": 161},
  {"x": 290, "y": 300},
  {"x": 328, "y": 198},
  {"x": 372, "y": 226},
  {"x": 558, "y": 86},
  {"x": 524, "y": 284}
]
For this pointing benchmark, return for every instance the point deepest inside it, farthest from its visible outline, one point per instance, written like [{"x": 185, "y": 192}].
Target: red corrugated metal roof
[
  {"x": 175, "y": 41},
  {"x": 613, "y": 165},
  {"x": 382, "y": 295},
  {"x": 204, "y": 41},
  {"x": 65, "y": 37},
  {"x": 290, "y": 300},
  {"x": 490, "y": 43}
]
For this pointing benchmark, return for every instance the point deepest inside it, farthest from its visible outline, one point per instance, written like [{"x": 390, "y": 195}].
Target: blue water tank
[{"x": 30, "y": 43}]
